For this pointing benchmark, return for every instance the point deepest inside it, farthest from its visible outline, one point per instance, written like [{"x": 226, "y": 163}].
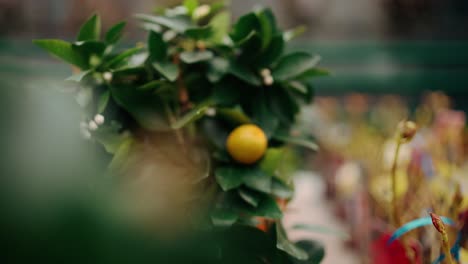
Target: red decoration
[{"x": 384, "y": 253}]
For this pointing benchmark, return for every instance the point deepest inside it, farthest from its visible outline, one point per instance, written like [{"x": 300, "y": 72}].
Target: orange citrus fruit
[{"x": 247, "y": 143}]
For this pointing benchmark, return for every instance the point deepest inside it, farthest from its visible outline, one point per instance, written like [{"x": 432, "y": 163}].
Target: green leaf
[
  {"x": 217, "y": 68},
  {"x": 79, "y": 76},
  {"x": 153, "y": 85},
  {"x": 297, "y": 141},
  {"x": 244, "y": 27},
  {"x": 283, "y": 105},
  {"x": 191, "y": 57},
  {"x": 298, "y": 86},
  {"x": 268, "y": 28},
  {"x": 63, "y": 50},
  {"x": 268, "y": 208},
  {"x": 194, "y": 114},
  {"x": 244, "y": 74},
  {"x": 121, "y": 154},
  {"x": 322, "y": 230},
  {"x": 114, "y": 34},
  {"x": 259, "y": 180},
  {"x": 109, "y": 136},
  {"x": 220, "y": 24},
  {"x": 272, "y": 160},
  {"x": 90, "y": 30},
  {"x": 226, "y": 93},
  {"x": 89, "y": 48},
  {"x": 263, "y": 116},
  {"x": 145, "y": 107},
  {"x": 251, "y": 197},
  {"x": 293, "y": 33},
  {"x": 103, "y": 101},
  {"x": 224, "y": 217},
  {"x": 122, "y": 57},
  {"x": 179, "y": 23},
  {"x": 272, "y": 53},
  {"x": 156, "y": 46},
  {"x": 283, "y": 243},
  {"x": 234, "y": 116},
  {"x": 314, "y": 249},
  {"x": 281, "y": 190},
  {"x": 167, "y": 69},
  {"x": 199, "y": 32},
  {"x": 230, "y": 177},
  {"x": 293, "y": 65},
  {"x": 314, "y": 72},
  {"x": 190, "y": 5}
]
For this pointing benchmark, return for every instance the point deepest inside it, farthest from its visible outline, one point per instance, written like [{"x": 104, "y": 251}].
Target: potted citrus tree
[{"x": 200, "y": 113}]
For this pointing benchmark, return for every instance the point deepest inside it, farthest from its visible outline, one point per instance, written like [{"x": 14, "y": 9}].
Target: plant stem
[
  {"x": 395, "y": 212},
  {"x": 446, "y": 248}
]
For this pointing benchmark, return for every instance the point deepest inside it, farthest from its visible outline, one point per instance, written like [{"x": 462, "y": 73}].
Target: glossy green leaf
[
  {"x": 153, "y": 85},
  {"x": 146, "y": 108},
  {"x": 122, "y": 57},
  {"x": 178, "y": 23},
  {"x": 267, "y": 207},
  {"x": 78, "y": 77},
  {"x": 298, "y": 86},
  {"x": 267, "y": 23},
  {"x": 224, "y": 217},
  {"x": 220, "y": 24},
  {"x": 226, "y": 94},
  {"x": 293, "y": 65},
  {"x": 281, "y": 190},
  {"x": 234, "y": 116},
  {"x": 191, "y": 57},
  {"x": 283, "y": 105},
  {"x": 272, "y": 53},
  {"x": 199, "y": 32},
  {"x": 283, "y": 243},
  {"x": 193, "y": 115},
  {"x": 190, "y": 5},
  {"x": 251, "y": 197},
  {"x": 90, "y": 30},
  {"x": 91, "y": 47},
  {"x": 157, "y": 46},
  {"x": 243, "y": 73},
  {"x": 230, "y": 177},
  {"x": 314, "y": 72},
  {"x": 121, "y": 154},
  {"x": 262, "y": 115},
  {"x": 167, "y": 69},
  {"x": 216, "y": 132},
  {"x": 293, "y": 33},
  {"x": 103, "y": 101},
  {"x": 271, "y": 160},
  {"x": 217, "y": 68},
  {"x": 244, "y": 27},
  {"x": 63, "y": 50},
  {"x": 314, "y": 249},
  {"x": 114, "y": 34},
  {"x": 259, "y": 180},
  {"x": 110, "y": 137},
  {"x": 297, "y": 141}
]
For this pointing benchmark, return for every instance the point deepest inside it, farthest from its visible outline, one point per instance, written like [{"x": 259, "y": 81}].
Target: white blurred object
[
  {"x": 389, "y": 149},
  {"x": 348, "y": 178}
]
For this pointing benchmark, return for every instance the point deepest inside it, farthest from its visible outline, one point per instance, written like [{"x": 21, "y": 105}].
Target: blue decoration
[{"x": 425, "y": 221}]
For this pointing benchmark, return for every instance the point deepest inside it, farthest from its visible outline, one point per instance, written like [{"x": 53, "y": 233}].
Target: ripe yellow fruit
[{"x": 247, "y": 144}]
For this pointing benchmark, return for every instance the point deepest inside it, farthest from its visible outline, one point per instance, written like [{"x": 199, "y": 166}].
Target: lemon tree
[{"x": 198, "y": 73}]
